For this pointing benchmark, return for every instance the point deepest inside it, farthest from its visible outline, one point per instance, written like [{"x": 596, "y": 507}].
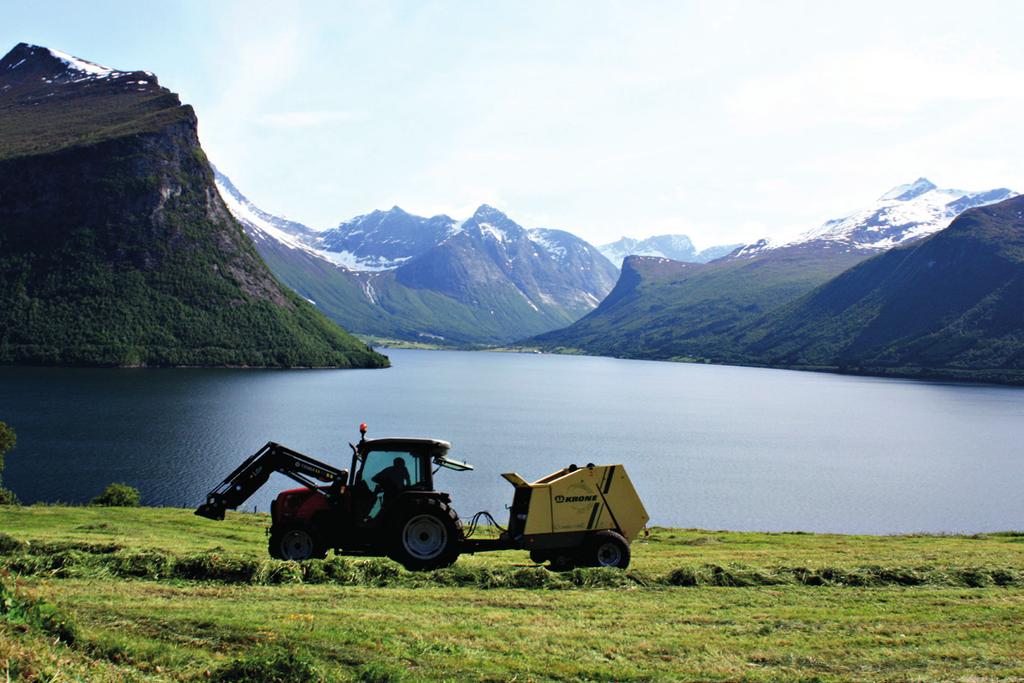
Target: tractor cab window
[{"x": 388, "y": 473}]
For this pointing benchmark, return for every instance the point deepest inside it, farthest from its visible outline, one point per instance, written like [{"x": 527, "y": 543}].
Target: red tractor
[{"x": 385, "y": 504}]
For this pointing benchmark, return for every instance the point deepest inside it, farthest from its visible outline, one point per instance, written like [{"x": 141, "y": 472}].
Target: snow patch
[
  {"x": 493, "y": 231},
  {"x": 538, "y": 237},
  {"x": 909, "y": 190},
  {"x": 89, "y": 68},
  {"x": 907, "y": 212},
  {"x": 755, "y": 249},
  {"x": 372, "y": 264},
  {"x": 245, "y": 212}
]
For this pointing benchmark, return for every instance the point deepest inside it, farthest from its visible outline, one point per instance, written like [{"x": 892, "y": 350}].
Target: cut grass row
[
  {"x": 110, "y": 561},
  {"x": 158, "y": 594},
  {"x": 178, "y": 531}
]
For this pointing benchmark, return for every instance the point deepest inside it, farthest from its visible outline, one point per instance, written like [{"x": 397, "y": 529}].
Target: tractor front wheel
[
  {"x": 296, "y": 542},
  {"x": 425, "y": 534}
]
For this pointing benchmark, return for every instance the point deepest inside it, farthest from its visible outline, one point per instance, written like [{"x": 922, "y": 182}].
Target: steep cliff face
[{"x": 115, "y": 246}]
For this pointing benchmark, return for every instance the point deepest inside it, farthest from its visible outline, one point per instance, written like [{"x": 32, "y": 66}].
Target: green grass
[{"x": 890, "y": 608}]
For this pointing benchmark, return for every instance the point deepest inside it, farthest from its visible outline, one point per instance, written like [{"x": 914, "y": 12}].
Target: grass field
[{"x": 159, "y": 594}]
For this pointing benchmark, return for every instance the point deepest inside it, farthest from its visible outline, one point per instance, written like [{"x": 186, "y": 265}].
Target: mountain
[
  {"x": 383, "y": 240},
  {"x": 674, "y": 247},
  {"x": 115, "y": 247},
  {"x": 664, "y": 309},
  {"x": 948, "y": 306},
  {"x": 485, "y": 280},
  {"x": 280, "y": 228},
  {"x": 904, "y": 213}
]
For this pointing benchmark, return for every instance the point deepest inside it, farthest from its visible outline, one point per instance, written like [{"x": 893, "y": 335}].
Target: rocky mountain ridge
[
  {"x": 483, "y": 280},
  {"x": 675, "y": 247}
]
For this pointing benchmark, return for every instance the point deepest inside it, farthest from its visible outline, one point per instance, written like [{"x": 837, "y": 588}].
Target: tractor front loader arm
[{"x": 248, "y": 477}]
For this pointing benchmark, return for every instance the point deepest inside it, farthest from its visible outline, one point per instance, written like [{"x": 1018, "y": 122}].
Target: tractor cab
[{"x": 385, "y": 470}]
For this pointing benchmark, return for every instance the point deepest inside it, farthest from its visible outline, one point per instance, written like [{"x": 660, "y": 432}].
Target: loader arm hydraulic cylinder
[{"x": 248, "y": 477}]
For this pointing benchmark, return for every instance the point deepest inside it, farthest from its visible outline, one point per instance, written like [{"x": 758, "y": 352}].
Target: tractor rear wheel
[
  {"x": 606, "y": 549},
  {"x": 425, "y": 534},
  {"x": 296, "y": 542}
]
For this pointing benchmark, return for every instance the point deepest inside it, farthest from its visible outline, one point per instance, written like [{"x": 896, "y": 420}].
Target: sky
[{"x": 726, "y": 121}]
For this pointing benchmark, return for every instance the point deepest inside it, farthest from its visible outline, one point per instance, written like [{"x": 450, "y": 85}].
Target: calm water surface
[{"x": 707, "y": 446}]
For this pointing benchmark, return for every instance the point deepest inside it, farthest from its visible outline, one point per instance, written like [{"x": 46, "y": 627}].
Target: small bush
[
  {"x": 7, "y": 440},
  {"x": 267, "y": 666},
  {"x": 118, "y": 495}
]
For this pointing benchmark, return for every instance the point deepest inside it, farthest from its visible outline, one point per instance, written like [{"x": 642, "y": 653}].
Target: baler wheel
[{"x": 606, "y": 549}]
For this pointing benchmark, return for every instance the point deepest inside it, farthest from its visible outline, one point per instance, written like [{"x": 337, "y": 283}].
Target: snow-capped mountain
[
  {"x": 48, "y": 66},
  {"x": 263, "y": 227},
  {"x": 393, "y": 274},
  {"x": 904, "y": 213},
  {"x": 674, "y": 247},
  {"x": 384, "y": 240},
  {"x": 490, "y": 257}
]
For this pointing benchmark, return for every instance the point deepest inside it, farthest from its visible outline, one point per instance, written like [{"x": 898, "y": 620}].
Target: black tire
[
  {"x": 539, "y": 556},
  {"x": 425, "y": 534},
  {"x": 296, "y": 542},
  {"x": 606, "y": 549}
]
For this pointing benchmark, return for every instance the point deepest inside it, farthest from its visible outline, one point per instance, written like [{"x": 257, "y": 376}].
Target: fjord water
[{"x": 707, "y": 446}]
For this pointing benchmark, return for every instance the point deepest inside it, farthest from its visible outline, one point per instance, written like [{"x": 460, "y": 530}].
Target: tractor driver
[{"x": 392, "y": 479}]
